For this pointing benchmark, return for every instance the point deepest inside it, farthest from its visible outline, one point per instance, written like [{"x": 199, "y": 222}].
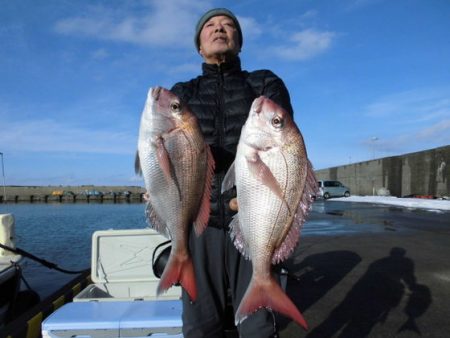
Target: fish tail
[
  {"x": 268, "y": 294},
  {"x": 178, "y": 271}
]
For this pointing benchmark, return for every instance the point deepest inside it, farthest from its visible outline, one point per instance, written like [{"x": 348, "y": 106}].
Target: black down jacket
[{"x": 221, "y": 99}]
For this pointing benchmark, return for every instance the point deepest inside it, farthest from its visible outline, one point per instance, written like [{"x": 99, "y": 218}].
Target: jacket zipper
[
  {"x": 221, "y": 118},
  {"x": 220, "y": 128}
]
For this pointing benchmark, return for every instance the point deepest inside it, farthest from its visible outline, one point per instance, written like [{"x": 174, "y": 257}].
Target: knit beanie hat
[{"x": 208, "y": 15}]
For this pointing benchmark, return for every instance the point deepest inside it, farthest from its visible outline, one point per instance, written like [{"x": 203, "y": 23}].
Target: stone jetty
[{"x": 72, "y": 194}]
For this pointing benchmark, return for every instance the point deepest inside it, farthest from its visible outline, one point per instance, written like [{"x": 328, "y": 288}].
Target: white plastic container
[
  {"x": 122, "y": 301},
  {"x": 7, "y": 257},
  {"x": 122, "y": 267},
  {"x": 115, "y": 319},
  {"x": 7, "y": 234}
]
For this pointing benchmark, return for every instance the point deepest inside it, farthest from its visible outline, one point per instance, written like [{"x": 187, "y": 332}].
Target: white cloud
[
  {"x": 250, "y": 27},
  {"x": 439, "y": 131},
  {"x": 310, "y": 14},
  {"x": 48, "y": 135},
  {"x": 408, "y": 121},
  {"x": 100, "y": 54},
  {"x": 306, "y": 44},
  {"x": 412, "y": 106},
  {"x": 155, "y": 23},
  {"x": 413, "y": 139},
  {"x": 170, "y": 24},
  {"x": 354, "y": 5}
]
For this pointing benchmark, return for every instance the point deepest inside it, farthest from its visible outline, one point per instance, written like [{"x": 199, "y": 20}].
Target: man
[{"x": 221, "y": 98}]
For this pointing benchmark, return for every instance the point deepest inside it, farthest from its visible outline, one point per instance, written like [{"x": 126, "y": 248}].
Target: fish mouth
[
  {"x": 263, "y": 103},
  {"x": 256, "y": 136},
  {"x": 155, "y": 114},
  {"x": 258, "y": 104},
  {"x": 156, "y": 92}
]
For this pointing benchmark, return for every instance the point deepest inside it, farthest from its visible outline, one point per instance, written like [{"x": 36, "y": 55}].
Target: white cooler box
[
  {"x": 122, "y": 301},
  {"x": 121, "y": 264},
  {"x": 115, "y": 319}
]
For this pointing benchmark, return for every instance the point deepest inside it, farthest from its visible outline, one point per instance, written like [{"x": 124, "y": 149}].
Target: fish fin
[
  {"x": 306, "y": 200},
  {"x": 178, "y": 271},
  {"x": 303, "y": 208},
  {"x": 287, "y": 246},
  {"x": 237, "y": 237},
  {"x": 137, "y": 164},
  {"x": 311, "y": 186},
  {"x": 229, "y": 180},
  {"x": 155, "y": 222},
  {"x": 163, "y": 159},
  {"x": 267, "y": 293},
  {"x": 202, "y": 219},
  {"x": 166, "y": 164},
  {"x": 263, "y": 174}
]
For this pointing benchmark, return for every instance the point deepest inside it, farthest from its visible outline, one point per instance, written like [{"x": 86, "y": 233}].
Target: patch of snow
[{"x": 421, "y": 203}]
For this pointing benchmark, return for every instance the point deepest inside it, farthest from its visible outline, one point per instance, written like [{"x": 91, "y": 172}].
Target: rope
[{"x": 45, "y": 263}]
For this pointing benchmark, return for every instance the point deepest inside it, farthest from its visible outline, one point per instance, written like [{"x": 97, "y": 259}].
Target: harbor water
[{"x": 61, "y": 233}]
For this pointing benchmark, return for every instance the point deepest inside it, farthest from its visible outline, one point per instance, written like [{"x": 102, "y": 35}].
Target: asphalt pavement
[{"x": 366, "y": 270}]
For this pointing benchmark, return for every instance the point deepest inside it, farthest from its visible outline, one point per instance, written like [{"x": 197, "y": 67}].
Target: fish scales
[
  {"x": 256, "y": 211},
  {"x": 182, "y": 195}
]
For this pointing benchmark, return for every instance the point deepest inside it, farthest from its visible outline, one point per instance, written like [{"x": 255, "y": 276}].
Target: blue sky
[{"x": 367, "y": 78}]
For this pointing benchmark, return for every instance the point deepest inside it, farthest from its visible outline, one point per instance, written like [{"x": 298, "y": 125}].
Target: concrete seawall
[
  {"x": 72, "y": 194},
  {"x": 421, "y": 173}
]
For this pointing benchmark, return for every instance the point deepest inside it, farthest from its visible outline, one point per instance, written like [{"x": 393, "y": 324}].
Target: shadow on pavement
[
  {"x": 314, "y": 276},
  {"x": 373, "y": 296}
]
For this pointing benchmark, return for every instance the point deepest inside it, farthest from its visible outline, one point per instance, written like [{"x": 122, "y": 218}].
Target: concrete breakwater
[
  {"x": 421, "y": 173},
  {"x": 72, "y": 194}
]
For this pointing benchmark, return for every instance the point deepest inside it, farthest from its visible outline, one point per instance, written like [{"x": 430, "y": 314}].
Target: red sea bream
[
  {"x": 275, "y": 183},
  {"x": 177, "y": 166}
]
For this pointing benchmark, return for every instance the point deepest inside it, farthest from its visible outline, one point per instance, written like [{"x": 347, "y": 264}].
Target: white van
[{"x": 329, "y": 189}]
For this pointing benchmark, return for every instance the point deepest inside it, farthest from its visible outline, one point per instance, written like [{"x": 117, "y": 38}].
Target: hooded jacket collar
[{"x": 231, "y": 66}]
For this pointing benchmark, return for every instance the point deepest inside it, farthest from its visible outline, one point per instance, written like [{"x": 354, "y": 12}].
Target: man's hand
[{"x": 234, "y": 204}]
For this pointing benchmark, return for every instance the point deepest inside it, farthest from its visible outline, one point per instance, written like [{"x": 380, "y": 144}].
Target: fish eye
[
  {"x": 277, "y": 122},
  {"x": 175, "y": 106}
]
